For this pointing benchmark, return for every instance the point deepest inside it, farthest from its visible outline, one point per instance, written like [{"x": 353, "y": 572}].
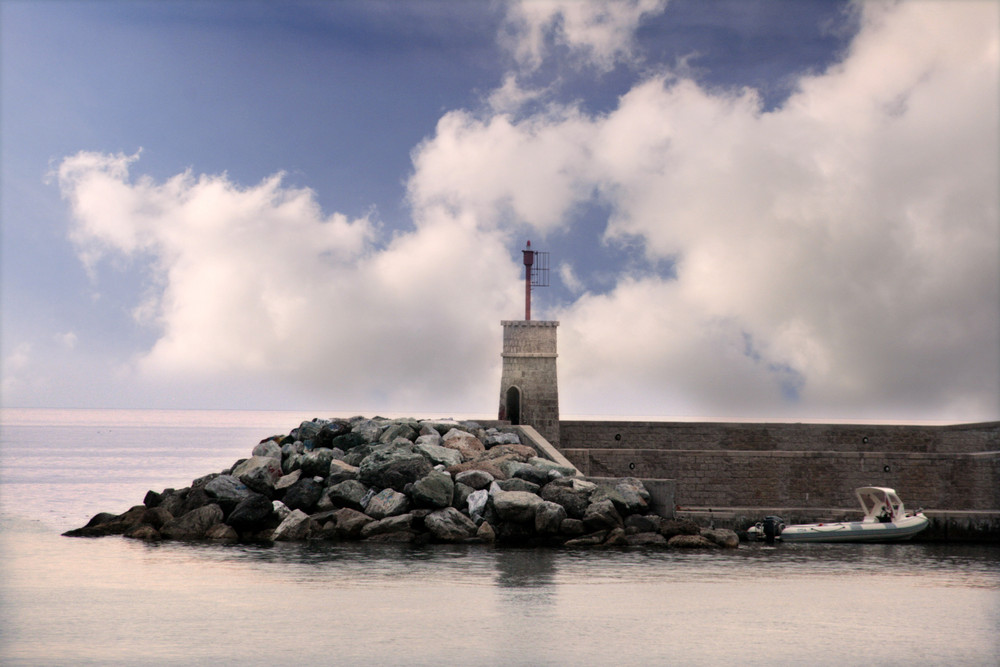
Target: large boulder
[
  {"x": 570, "y": 492},
  {"x": 628, "y": 494},
  {"x": 450, "y": 525},
  {"x": 350, "y": 493},
  {"x": 193, "y": 525},
  {"x": 341, "y": 471},
  {"x": 549, "y": 517},
  {"x": 437, "y": 454},
  {"x": 350, "y": 522},
  {"x": 253, "y": 513},
  {"x": 725, "y": 538},
  {"x": 224, "y": 490},
  {"x": 436, "y": 489},
  {"x": 393, "y": 468},
  {"x": 553, "y": 468},
  {"x": 477, "y": 479},
  {"x": 317, "y": 462},
  {"x": 259, "y": 473},
  {"x": 464, "y": 442},
  {"x": 519, "y": 453},
  {"x": 515, "y": 506},
  {"x": 269, "y": 448},
  {"x": 526, "y": 472},
  {"x": 490, "y": 467},
  {"x": 303, "y": 495},
  {"x": 296, "y": 526},
  {"x": 602, "y": 515},
  {"x": 386, "y": 503},
  {"x": 404, "y": 430}
]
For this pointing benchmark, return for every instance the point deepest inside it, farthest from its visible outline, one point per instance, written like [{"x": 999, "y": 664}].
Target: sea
[{"x": 113, "y": 601}]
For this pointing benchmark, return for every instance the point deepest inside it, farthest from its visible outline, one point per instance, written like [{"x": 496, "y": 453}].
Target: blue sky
[{"x": 754, "y": 209}]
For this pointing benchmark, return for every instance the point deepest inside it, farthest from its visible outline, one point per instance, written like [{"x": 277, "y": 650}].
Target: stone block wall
[{"x": 797, "y": 465}]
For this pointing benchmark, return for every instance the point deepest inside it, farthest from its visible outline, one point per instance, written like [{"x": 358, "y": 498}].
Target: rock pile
[{"x": 402, "y": 480}]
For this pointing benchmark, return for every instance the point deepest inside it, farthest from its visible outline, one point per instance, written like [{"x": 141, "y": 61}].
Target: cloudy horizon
[{"x": 766, "y": 211}]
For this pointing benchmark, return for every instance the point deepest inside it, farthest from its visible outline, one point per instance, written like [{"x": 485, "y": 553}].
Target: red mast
[
  {"x": 529, "y": 259},
  {"x": 536, "y": 274}
]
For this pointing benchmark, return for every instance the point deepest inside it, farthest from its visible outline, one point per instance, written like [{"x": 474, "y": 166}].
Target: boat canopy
[{"x": 880, "y": 503}]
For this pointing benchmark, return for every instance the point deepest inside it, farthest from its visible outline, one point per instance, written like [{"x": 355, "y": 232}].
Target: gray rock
[
  {"x": 460, "y": 499},
  {"x": 393, "y": 431},
  {"x": 194, "y": 524},
  {"x": 477, "y": 479},
  {"x": 303, "y": 495},
  {"x": 552, "y": 466},
  {"x": 387, "y": 503},
  {"x": 450, "y": 525},
  {"x": 393, "y": 468},
  {"x": 602, "y": 515},
  {"x": 144, "y": 532},
  {"x": 286, "y": 481},
  {"x": 628, "y": 494},
  {"x": 549, "y": 517},
  {"x": 317, "y": 462},
  {"x": 296, "y": 526},
  {"x": 725, "y": 538},
  {"x": 436, "y": 489},
  {"x": 486, "y": 533},
  {"x": 280, "y": 510},
  {"x": 350, "y": 493},
  {"x": 691, "y": 542},
  {"x": 477, "y": 503},
  {"x": 341, "y": 471},
  {"x": 350, "y": 522},
  {"x": 531, "y": 474},
  {"x": 253, "y": 513},
  {"x": 572, "y": 527},
  {"x": 268, "y": 448},
  {"x": 431, "y": 437},
  {"x": 227, "y": 489},
  {"x": 465, "y": 443},
  {"x": 515, "y": 506},
  {"x": 291, "y": 462},
  {"x": 392, "y": 524},
  {"x": 368, "y": 429},
  {"x": 437, "y": 454},
  {"x": 573, "y": 494},
  {"x": 259, "y": 473}
]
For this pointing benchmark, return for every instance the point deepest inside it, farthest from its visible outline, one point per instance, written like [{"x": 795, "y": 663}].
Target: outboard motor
[{"x": 773, "y": 525}]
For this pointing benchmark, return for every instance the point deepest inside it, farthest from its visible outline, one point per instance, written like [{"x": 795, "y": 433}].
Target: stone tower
[{"x": 529, "y": 391}]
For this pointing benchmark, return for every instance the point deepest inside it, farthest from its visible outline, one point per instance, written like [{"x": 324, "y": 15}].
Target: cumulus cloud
[
  {"x": 597, "y": 33},
  {"x": 836, "y": 254},
  {"x": 257, "y": 285}
]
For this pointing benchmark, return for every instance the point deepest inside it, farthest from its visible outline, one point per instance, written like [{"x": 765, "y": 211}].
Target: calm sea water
[{"x": 113, "y": 601}]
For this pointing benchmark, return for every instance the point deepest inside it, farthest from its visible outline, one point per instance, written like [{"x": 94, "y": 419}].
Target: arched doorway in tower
[{"x": 514, "y": 405}]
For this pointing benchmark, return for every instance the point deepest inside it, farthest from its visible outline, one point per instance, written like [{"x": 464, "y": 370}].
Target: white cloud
[
  {"x": 258, "y": 286},
  {"x": 838, "y": 254},
  {"x": 598, "y": 33}
]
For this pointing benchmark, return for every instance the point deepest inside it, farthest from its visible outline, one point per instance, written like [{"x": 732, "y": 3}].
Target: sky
[{"x": 753, "y": 209}]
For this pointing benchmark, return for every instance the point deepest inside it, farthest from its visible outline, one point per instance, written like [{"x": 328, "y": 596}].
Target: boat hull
[{"x": 856, "y": 531}]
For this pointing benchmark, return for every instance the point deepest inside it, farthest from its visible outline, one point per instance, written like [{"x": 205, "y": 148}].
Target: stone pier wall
[{"x": 803, "y": 465}]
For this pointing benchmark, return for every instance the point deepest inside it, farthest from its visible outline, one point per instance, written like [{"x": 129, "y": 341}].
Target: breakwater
[{"x": 407, "y": 480}]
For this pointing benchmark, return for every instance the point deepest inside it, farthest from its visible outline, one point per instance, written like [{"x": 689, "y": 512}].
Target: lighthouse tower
[{"x": 529, "y": 390}]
